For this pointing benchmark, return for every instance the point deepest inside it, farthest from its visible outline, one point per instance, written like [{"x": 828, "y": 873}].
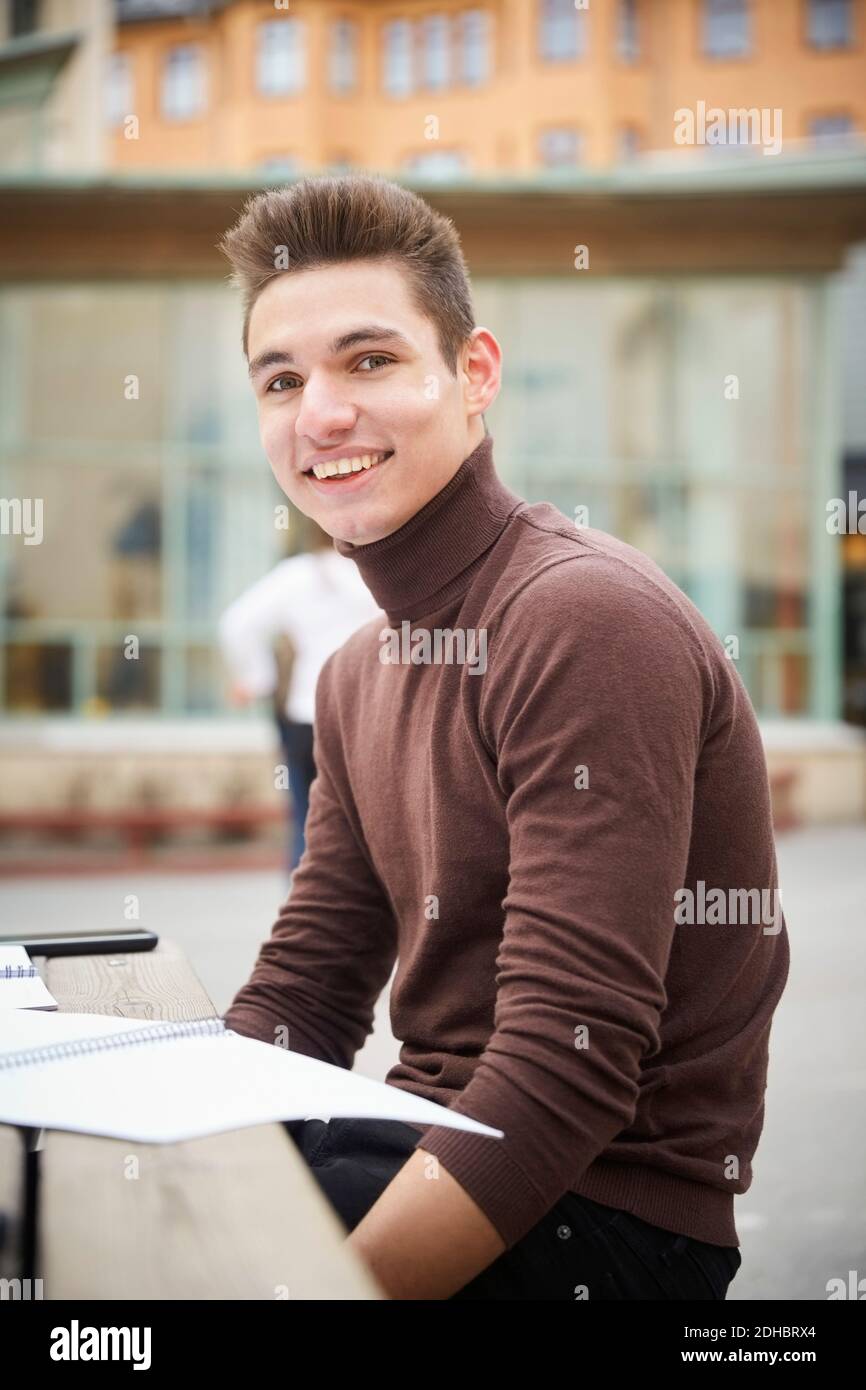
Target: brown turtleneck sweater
[{"x": 515, "y": 828}]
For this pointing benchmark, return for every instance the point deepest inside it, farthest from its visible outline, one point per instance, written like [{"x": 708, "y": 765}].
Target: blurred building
[
  {"x": 448, "y": 89},
  {"x": 698, "y": 385},
  {"x": 54, "y": 57},
  {"x": 456, "y": 90}
]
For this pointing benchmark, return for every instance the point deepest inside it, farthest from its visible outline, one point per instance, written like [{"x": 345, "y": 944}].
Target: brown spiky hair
[{"x": 333, "y": 219}]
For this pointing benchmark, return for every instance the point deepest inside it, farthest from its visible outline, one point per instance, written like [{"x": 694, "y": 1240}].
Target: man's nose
[{"x": 324, "y": 411}]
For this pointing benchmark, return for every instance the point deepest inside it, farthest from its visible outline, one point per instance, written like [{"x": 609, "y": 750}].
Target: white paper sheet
[
  {"x": 22, "y": 991},
  {"x": 183, "y": 1088}
]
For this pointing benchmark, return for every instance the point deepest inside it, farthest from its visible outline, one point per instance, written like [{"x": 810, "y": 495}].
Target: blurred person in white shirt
[{"x": 315, "y": 600}]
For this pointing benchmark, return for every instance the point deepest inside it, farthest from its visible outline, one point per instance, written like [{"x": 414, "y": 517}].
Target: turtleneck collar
[{"x": 428, "y": 561}]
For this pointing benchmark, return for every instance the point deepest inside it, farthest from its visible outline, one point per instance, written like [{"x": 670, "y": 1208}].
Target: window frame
[
  {"x": 546, "y": 26},
  {"x": 349, "y": 25},
  {"x": 849, "y": 46},
  {"x": 727, "y": 56},
  {"x": 191, "y": 46},
  {"x": 293, "y": 25},
  {"x": 399, "y": 23}
]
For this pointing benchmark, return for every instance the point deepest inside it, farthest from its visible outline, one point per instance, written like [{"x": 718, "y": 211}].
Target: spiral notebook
[
  {"x": 21, "y": 985},
  {"x": 164, "y": 1081}
]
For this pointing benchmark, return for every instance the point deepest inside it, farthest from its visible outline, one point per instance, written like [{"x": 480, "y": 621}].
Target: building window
[
  {"x": 824, "y": 129},
  {"x": 628, "y": 32},
  {"x": 280, "y": 70},
  {"x": 397, "y": 57},
  {"x": 344, "y": 56},
  {"x": 183, "y": 82},
  {"x": 437, "y": 164},
  {"x": 22, "y": 18},
  {"x": 560, "y": 147},
  {"x": 561, "y": 33},
  {"x": 628, "y": 143},
  {"x": 726, "y": 28},
  {"x": 435, "y": 37},
  {"x": 829, "y": 23},
  {"x": 118, "y": 88},
  {"x": 473, "y": 27}
]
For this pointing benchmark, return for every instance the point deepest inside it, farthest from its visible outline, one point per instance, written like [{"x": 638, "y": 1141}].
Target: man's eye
[{"x": 381, "y": 357}]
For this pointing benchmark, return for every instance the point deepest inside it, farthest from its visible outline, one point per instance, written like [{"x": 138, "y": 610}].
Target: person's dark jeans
[
  {"x": 297, "y": 742},
  {"x": 579, "y": 1250}
]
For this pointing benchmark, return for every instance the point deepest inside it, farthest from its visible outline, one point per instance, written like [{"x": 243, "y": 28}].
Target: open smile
[{"x": 346, "y": 474}]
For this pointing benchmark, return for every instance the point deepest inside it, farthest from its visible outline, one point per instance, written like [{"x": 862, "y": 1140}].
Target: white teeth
[{"x": 353, "y": 465}]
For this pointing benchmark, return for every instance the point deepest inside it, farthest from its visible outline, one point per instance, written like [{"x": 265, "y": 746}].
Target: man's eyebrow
[{"x": 370, "y": 332}]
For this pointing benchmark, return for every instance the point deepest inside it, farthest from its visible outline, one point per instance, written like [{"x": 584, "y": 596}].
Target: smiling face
[{"x": 347, "y": 373}]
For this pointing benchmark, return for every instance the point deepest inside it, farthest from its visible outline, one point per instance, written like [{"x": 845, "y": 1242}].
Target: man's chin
[{"x": 362, "y": 528}]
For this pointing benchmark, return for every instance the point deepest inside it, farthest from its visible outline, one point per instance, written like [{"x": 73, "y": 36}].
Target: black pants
[
  {"x": 579, "y": 1250},
  {"x": 297, "y": 743}
]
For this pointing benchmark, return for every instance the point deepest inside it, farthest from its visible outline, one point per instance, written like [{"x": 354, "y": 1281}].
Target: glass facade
[
  {"x": 688, "y": 416},
  {"x": 126, "y": 409}
]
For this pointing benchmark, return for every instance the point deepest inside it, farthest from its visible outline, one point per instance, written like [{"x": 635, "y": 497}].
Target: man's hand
[
  {"x": 425, "y": 1237},
  {"x": 238, "y": 695}
]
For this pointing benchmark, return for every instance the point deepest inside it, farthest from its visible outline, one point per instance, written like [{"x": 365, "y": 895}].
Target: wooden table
[{"x": 234, "y": 1216}]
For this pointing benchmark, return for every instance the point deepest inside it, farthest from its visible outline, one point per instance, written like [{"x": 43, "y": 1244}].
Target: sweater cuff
[
  {"x": 250, "y": 1023},
  {"x": 492, "y": 1179}
]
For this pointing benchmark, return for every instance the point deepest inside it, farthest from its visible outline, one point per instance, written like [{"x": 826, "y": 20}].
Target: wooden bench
[{"x": 232, "y": 1216}]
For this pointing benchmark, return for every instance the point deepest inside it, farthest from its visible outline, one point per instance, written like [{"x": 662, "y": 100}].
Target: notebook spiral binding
[
  {"x": 14, "y": 972},
  {"x": 154, "y": 1032}
]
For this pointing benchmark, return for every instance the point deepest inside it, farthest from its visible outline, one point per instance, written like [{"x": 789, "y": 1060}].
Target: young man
[{"x": 541, "y": 790}]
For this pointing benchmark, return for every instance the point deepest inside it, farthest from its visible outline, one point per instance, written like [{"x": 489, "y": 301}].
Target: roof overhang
[{"x": 761, "y": 216}]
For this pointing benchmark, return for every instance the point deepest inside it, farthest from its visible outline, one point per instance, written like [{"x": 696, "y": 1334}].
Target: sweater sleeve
[
  {"x": 592, "y": 711},
  {"x": 334, "y": 943}
]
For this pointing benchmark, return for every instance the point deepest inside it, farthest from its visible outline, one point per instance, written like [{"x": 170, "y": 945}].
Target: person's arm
[
  {"x": 451, "y": 1238},
  {"x": 247, "y": 630},
  {"x": 583, "y": 672},
  {"x": 317, "y": 978}
]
